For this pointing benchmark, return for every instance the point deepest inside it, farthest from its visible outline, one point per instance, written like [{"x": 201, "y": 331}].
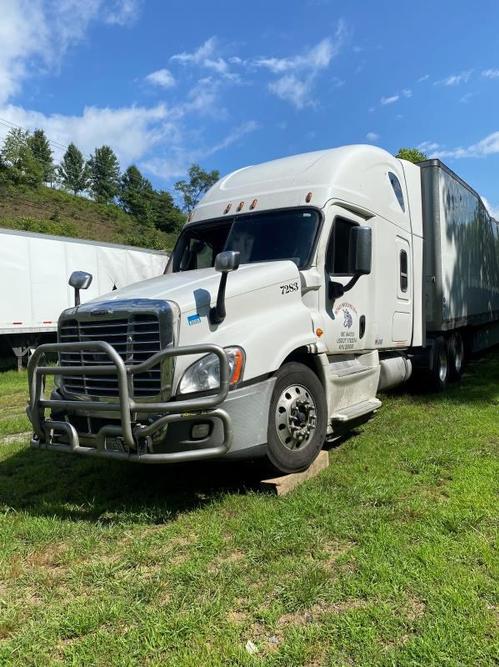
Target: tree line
[{"x": 27, "y": 159}]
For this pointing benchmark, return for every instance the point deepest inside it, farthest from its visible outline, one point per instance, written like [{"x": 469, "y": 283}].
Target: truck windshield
[{"x": 259, "y": 237}]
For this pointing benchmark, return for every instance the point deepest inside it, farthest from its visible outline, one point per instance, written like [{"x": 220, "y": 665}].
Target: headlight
[{"x": 204, "y": 374}]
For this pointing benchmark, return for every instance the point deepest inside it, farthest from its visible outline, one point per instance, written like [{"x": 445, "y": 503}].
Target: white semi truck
[{"x": 297, "y": 291}]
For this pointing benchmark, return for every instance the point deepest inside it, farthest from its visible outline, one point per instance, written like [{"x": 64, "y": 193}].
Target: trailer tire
[
  {"x": 455, "y": 352},
  {"x": 297, "y": 419},
  {"x": 439, "y": 369}
]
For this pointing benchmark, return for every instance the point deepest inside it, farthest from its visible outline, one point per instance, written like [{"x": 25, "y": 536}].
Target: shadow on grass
[{"x": 69, "y": 487}]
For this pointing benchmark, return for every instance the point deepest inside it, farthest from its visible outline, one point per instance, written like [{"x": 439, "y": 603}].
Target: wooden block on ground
[{"x": 286, "y": 483}]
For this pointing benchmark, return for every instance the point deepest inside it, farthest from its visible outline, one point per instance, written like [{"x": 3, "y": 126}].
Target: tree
[
  {"x": 412, "y": 155},
  {"x": 165, "y": 215},
  {"x": 199, "y": 182},
  {"x": 136, "y": 194},
  {"x": 19, "y": 159},
  {"x": 73, "y": 171},
  {"x": 104, "y": 174},
  {"x": 40, "y": 148}
]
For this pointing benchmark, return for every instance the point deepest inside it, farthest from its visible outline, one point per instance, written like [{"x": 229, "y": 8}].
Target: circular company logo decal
[{"x": 346, "y": 316}]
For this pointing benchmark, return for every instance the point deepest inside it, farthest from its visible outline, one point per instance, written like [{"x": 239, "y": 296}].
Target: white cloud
[
  {"x": 290, "y": 88},
  {"x": 455, "y": 79},
  {"x": 300, "y": 71},
  {"x": 122, "y": 12},
  {"x": 296, "y": 73},
  {"x": 491, "y": 73},
  {"x": 372, "y": 137},
  {"x": 231, "y": 138},
  {"x": 203, "y": 98},
  {"x": 425, "y": 77},
  {"x": 162, "y": 78},
  {"x": 155, "y": 137},
  {"x": 199, "y": 56},
  {"x": 466, "y": 98},
  {"x": 21, "y": 41},
  {"x": 428, "y": 147},
  {"x": 130, "y": 131},
  {"x": 317, "y": 58},
  {"x": 206, "y": 56},
  {"x": 178, "y": 160},
  {"x": 487, "y": 146},
  {"x": 36, "y": 34},
  {"x": 389, "y": 100}
]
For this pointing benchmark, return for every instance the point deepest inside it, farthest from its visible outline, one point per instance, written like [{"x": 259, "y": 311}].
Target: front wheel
[{"x": 297, "y": 419}]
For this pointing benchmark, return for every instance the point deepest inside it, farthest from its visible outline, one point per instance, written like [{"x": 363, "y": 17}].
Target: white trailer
[
  {"x": 353, "y": 269},
  {"x": 34, "y": 272}
]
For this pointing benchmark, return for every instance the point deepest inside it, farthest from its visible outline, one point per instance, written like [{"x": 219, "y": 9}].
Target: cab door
[{"x": 347, "y": 318}]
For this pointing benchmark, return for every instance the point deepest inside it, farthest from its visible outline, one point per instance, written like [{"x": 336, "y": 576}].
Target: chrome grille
[{"x": 135, "y": 338}]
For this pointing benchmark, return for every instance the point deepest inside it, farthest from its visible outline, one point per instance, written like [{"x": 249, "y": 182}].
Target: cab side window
[
  {"x": 197, "y": 254},
  {"x": 338, "y": 249},
  {"x": 397, "y": 189}
]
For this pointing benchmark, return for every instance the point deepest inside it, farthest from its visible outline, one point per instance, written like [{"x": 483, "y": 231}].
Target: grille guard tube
[{"x": 173, "y": 411}]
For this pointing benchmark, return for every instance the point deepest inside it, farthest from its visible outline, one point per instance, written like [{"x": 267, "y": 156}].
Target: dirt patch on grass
[
  {"x": 225, "y": 560},
  {"x": 316, "y": 613},
  {"x": 50, "y": 557},
  {"x": 414, "y": 609}
]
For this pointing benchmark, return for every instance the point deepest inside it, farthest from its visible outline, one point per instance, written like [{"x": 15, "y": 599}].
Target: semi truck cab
[{"x": 294, "y": 293}]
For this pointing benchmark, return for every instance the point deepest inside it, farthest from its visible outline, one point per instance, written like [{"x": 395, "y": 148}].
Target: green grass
[
  {"x": 13, "y": 417},
  {"x": 387, "y": 558}
]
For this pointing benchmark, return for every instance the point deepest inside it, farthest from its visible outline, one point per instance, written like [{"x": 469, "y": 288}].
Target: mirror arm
[
  {"x": 337, "y": 289},
  {"x": 77, "y": 296},
  {"x": 217, "y": 313}
]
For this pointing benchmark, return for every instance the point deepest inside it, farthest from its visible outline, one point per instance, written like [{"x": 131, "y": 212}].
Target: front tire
[{"x": 297, "y": 419}]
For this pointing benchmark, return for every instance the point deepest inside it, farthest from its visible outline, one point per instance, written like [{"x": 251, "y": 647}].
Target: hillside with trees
[{"x": 90, "y": 199}]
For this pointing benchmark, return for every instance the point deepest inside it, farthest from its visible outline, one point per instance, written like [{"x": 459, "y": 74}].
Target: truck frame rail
[{"x": 135, "y": 437}]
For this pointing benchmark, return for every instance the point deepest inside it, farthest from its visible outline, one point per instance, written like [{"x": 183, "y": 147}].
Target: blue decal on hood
[{"x": 193, "y": 319}]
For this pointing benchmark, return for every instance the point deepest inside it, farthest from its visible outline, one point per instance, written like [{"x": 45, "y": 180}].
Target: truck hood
[{"x": 194, "y": 289}]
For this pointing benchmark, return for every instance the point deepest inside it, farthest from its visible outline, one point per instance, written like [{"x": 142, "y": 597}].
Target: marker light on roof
[
  {"x": 227, "y": 208},
  {"x": 253, "y": 204},
  {"x": 308, "y": 198},
  {"x": 240, "y": 206}
]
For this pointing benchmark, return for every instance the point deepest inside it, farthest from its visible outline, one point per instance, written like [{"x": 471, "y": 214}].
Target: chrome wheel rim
[
  {"x": 295, "y": 417},
  {"x": 442, "y": 365}
]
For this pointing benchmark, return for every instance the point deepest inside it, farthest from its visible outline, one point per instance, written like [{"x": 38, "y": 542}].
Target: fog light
[{"x": 200, "y": 431}]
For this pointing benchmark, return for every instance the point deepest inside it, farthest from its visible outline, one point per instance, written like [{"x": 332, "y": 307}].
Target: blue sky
[{"x": 231, "y": 83}]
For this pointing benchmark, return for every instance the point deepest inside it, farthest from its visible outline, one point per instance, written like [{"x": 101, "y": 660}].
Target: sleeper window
[{"x": 404, "y": 276}]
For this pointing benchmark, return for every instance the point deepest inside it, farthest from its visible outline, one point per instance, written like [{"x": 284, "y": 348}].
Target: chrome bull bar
[{"x": 132, "y": 435}]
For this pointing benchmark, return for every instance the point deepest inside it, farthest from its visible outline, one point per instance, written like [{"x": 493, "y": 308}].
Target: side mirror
[
  {"x": 225, "y": 262},
  {"x": 359, "y": 260},
  {"x": 360, "y": 251},
  {"x": 79, "y": 280}
]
